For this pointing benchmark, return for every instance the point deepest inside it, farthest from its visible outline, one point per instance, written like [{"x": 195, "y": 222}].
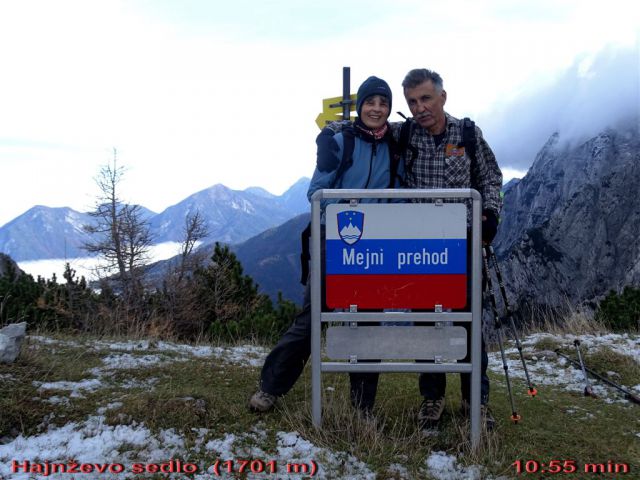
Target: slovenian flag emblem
[{"x": 350, "y": 226}]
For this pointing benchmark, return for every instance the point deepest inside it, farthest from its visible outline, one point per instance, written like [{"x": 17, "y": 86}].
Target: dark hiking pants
[
  {"x": 433, "y": 385},
  {"x": 284, "y": 364}
]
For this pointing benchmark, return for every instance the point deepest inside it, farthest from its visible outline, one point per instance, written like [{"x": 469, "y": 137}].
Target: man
[
  {"x": 434, "y": 159},
  {"x": 440, "y": 163}
]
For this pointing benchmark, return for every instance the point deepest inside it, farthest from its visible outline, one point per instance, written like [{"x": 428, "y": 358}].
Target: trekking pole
[
  {"x": 515, "y": 418},
  {"x": 532, "y": 392},
  {"x": 627, "y": 393},
  {"x": 588, "y": 391}
]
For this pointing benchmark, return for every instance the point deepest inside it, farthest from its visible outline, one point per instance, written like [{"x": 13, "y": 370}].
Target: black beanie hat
[{"x": 370, "y": 87}]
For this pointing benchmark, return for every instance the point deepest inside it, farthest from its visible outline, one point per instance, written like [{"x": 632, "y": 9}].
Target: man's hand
[
  {"x": 489, "y": 226},
  {"x": 327, "y": 160}
]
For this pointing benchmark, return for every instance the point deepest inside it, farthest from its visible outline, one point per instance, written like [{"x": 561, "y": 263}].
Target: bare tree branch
[
  {"x": 194, "y": 230},
  {"x": 119, "y": 234}
]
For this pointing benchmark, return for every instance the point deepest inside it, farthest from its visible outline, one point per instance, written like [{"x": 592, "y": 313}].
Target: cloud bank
[{"x": 595, "y": 92}]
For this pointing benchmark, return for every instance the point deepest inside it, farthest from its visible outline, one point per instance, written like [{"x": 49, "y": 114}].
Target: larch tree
[{"x": 118, "y": 233}]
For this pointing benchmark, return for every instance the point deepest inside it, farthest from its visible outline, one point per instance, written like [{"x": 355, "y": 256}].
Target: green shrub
[
  {"x": 621, "y": 311},
  {"x": 45, "y": 303},
  {"x": 232, "y": 307},
  {"x": 266, "y": 326},
  {"x": 218, "y": 300},
  {"x": 19, "y": 299}
]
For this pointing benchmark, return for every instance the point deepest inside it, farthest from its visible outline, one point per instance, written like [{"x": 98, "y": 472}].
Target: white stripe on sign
[{"x": 399, "y": 221}]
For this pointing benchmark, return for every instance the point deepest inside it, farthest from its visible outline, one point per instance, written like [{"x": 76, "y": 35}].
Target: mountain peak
[
  {"x": 571, "y": 223},
  {"x": 231, "y": 215},
  {"x": 259, "y": 191},
  {"x": 301, "y": 181}
]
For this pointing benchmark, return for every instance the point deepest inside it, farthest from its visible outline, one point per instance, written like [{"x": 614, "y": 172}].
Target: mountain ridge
[
  {"x": 232, "y": 216},
  {"x": 569, "y": 229},
  {"x": 568, "y": 232}
]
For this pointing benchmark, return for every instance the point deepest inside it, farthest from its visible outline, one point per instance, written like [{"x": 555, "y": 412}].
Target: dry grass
[
  {"x": 567, "y": 319},
  {"x": 556, "y": 424},
  {"x": 392, "y": 435},
  {"x": 618, "y": 368}
]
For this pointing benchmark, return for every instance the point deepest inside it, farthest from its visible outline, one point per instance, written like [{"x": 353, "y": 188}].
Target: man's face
[{"x": 427, "y": 106}]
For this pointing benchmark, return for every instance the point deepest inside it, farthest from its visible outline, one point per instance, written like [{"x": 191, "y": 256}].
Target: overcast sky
[{"x": 198, "y": 92}]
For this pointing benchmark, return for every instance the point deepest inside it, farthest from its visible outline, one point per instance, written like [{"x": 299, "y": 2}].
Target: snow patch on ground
[
  {"x": 291, "y": 449},
  {"x": 90, "y": 442},
  {"x": 443, "y": 467},
  {"x": 550, "y": 369},
  {"x": 93, "y": 441},
  {"x": 138, "y": 355},
  {"x": 109, "y": 406},
  {"x": 624, "y": 344},
  {"x": 243, "y": 355},
  {"x": 90, "y": 385}
]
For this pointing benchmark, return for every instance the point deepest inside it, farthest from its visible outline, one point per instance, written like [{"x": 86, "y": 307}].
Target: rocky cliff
[
  {"x": 9, "y": 268},
  {"x": 570, "y": 229}
]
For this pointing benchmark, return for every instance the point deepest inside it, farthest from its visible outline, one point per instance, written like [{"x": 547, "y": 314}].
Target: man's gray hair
[{"x": 419, "y": 75}]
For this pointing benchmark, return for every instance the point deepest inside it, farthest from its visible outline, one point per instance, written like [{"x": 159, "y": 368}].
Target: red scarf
[{"x": 377, "y": 134}]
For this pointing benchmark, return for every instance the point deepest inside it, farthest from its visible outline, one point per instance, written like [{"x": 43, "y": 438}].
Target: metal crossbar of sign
[
  {"x": 338, "y": 108},
  {"x": 332, "y": 110},
  {"x": 409, "y": 262}
]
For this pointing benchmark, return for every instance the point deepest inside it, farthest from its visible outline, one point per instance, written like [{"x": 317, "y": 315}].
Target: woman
[
  {"x": 362, "y": 156},
  {"x": 373, "y": 163},
  {"x": 374, "y": 160}
]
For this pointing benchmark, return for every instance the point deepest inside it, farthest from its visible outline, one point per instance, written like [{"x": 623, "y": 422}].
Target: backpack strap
[
  {"x": 395, "y": 157},
  {"x": 469, "y": 137},
  {"x": 349, "y": 143},
  {"x": 305, "y": 256},
  {"x": 407, "y": 151}
]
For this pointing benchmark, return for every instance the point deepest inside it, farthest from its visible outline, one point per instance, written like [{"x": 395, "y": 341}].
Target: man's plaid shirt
[{"x": 448, "y": 166}]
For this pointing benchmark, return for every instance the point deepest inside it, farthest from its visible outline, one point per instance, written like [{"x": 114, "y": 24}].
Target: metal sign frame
[{"x": 474, "y": 316}]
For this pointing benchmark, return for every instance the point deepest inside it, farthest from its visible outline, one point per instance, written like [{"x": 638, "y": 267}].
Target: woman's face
[{"x": 375, "y": 111}]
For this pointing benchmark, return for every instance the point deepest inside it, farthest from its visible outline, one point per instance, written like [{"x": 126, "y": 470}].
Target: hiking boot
[
  {"x": 430, "y": 413},
  {"x": 485, "y": 414},
  {"x": 262, "y": 401}
]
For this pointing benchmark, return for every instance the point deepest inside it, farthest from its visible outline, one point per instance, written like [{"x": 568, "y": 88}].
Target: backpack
[
  {"x": 349, "y": 142},
  {"x": 400, "y": 150}
]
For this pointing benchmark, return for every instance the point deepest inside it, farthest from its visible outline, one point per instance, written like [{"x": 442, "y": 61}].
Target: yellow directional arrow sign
[{"x": 332, "y": 110}]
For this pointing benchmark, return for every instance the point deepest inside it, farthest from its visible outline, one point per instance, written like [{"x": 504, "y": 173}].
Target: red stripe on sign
[{"x": 396, "y": 291}]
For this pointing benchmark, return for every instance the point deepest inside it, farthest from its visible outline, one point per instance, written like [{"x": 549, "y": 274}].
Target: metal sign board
[
  {"x": 396, "y": 255},
  {"x": 399, "y": 343}
]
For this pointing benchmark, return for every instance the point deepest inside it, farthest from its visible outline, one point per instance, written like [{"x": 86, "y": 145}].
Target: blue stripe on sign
[{"x": 397, "y": 257}]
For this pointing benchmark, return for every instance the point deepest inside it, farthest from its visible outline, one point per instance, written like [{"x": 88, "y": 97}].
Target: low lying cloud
[{"x": 595, "y": 92}]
